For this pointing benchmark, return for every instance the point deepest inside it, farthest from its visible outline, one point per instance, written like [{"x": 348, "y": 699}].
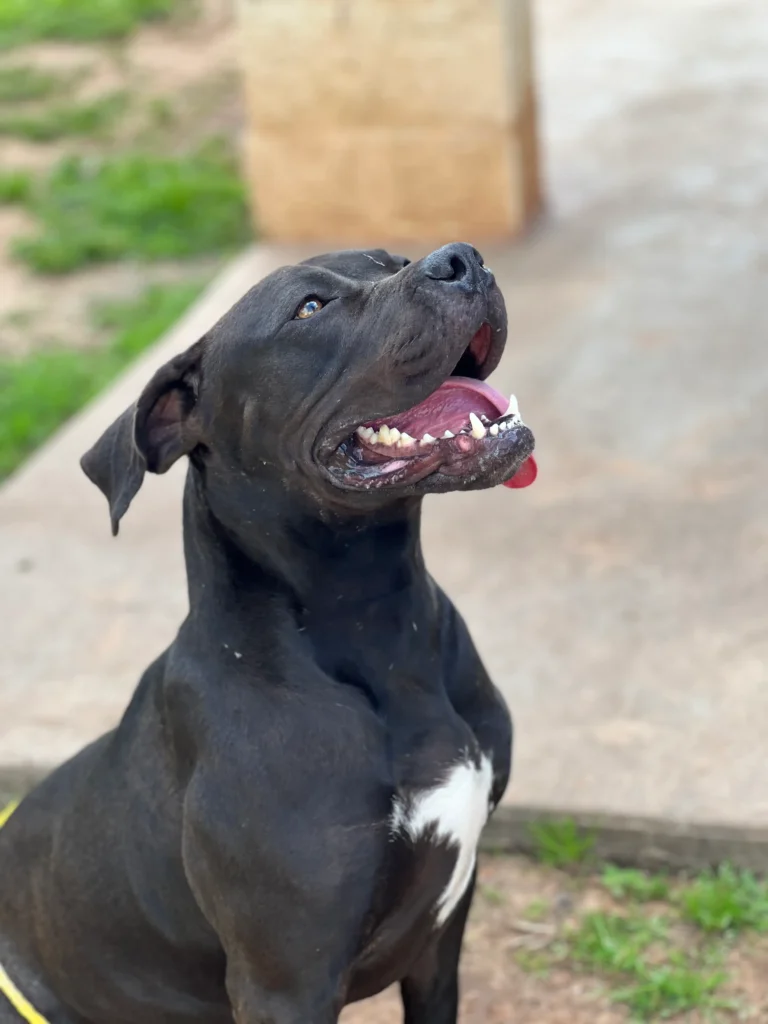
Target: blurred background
[{"x": 608, "y": 157}]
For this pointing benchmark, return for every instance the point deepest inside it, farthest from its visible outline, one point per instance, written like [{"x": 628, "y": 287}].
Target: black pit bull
[{"x": 285, "y": 820}]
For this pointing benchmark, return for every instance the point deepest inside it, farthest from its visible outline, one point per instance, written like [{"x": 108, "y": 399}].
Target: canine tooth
[
  {"x": 448, "y": 434},
  {"x": 385, "y": 437},
  {"x": 406, "y": 440},
  {"x": 478, "y": 430},
  {"x": 513, "y": 409},
  {"x": 494, "y": 429},
  {"x": 428, "y": 439}
]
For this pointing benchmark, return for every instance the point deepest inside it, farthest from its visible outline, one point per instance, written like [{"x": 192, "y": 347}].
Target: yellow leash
[
  {"x": 21, "y": 1005},
  {"x": 7, "y": 812}
]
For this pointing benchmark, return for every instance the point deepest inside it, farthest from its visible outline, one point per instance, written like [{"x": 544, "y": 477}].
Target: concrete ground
[{"x": 620, "y": 602}]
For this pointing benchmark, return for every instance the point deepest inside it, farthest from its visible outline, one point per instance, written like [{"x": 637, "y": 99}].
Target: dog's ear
[{"x": 150, "y": 435}]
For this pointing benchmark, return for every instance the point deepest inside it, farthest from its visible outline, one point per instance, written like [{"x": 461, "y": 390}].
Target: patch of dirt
[
  {"x": 507, "y": 980},
  {"x": 38, "y": 311},
  {"x": 182, "y": 81}
]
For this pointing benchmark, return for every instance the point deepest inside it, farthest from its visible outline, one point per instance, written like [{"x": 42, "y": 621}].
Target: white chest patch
[{"x": 456, "y": 811}]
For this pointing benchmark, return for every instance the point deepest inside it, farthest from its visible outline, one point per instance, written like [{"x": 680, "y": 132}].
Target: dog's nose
[{"x": 455, "y": 264}]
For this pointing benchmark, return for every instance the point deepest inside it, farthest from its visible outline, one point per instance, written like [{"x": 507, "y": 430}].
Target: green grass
[
  {"x": 726, "y": 900},
  {"x": 537, "y": 962},
  {"x": 561, "y": 844},
  {"x": 65, "y": 119},
  {"x": 671, "y": 989},
  {"x": 536, "y": 911},
  {"x": 21, "y": 82},
  {"x": 659, "y": 966},
  {"x": 19, "y": 317},
  {"x": 39, "y": 392},
  {"x": 655, "y": 967},
  {"x": 134, "y": 206},
  {"x": 161, "y": 112},
  {"x": 24, "y": 21},
  {"x": 137, "y": 323},
  {"x": 655, "y": 982},
  {"x": 614, "y": 942},
  {"x": 15, "y": 186},
  {"x": 630, "y": 884},
  {"x": 491, "y": 895}
]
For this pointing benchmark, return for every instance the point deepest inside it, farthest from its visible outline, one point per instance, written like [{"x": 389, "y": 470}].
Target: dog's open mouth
[{"x": 465, "y": 429}]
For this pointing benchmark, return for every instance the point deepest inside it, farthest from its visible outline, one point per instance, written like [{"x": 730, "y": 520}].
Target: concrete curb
[{"x": 651, "y": 843}]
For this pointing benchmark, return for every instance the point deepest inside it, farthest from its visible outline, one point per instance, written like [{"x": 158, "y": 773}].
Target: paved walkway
[{"x": 621, "y": 602}]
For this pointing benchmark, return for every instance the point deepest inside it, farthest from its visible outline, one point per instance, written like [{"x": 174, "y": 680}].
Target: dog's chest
[{"x": 449, "y": 814}]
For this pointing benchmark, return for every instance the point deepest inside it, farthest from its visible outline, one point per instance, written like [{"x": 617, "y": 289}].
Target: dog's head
[{"x": 354, "y": 379}]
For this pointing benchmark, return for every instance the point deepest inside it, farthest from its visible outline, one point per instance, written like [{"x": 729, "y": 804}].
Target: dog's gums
[{"x": 460, "y": 430}]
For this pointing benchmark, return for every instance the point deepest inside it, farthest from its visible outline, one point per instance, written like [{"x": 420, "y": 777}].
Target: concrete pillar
[{"x": 372, "y": 121}]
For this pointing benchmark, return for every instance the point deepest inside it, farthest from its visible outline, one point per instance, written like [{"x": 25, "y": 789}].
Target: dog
[{"x": 286, "y": 818}]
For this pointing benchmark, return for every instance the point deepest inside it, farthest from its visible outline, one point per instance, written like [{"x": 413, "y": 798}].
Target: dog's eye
[{"x": 308, "y": 309}]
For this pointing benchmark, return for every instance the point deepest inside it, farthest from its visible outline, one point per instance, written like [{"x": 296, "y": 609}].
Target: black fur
[{"x": 226, "y": 852}]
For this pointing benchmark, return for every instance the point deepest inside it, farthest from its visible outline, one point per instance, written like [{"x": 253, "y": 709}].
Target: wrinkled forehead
[
  {"x": 359, "y": 264},
  {"x": 352, "y": 266},
  {"x": 270, "y": 305},
  {"x": 275, "y": 298}
]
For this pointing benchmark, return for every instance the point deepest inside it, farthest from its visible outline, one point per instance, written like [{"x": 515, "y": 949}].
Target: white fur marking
[{"x": 457, "y": 809}]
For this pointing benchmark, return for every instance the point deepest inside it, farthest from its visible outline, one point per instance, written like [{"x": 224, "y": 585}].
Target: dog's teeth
[
  {"x": 428, "y": 439},
  {"x": 448, "y": 434},
  {"x": 502, "y": 425},
  {"x": 478, "y": 430},
  {"x": 406, "y": 440},
  {"x": 513, "y": 409},
  {"x": 374, "y": 438},
  {"x": 385, "y": 436},
  {"x": 394, "y": 435},
  {"x": 360, "y": 431},
  {"x": 494, "y": 429}
]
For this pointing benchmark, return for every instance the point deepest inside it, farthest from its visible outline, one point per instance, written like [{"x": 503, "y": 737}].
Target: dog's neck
[{"x": 264, "y": 542}]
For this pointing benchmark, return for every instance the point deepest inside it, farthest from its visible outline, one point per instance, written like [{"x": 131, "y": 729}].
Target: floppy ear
[{"x": 150, "y": 435}]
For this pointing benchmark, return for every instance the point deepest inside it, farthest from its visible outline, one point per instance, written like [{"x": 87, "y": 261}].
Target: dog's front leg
[
  {"x": 269, "y": 885},
  {"x": 431, "y": 991},
  {"x": 253, "y": 1003},
  {"x": 278, "y": 973}
]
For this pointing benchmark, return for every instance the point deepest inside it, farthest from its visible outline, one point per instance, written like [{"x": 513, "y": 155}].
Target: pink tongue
[
  {"x": 528, "y": 472},
  {"x": 449, "y": 408}
]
